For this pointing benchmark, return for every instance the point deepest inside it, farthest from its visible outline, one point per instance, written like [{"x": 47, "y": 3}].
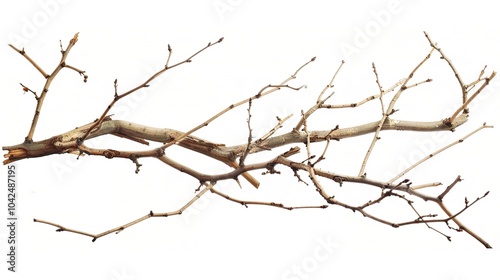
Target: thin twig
[
  {"x": 428, "y": 185},
  {"x": 359, "y": 103},
  {"x": 463, "y": 88},
  {"x": 23, "y": 53},
  {"x": 273, "y": 130},
  {"x": 249, "y": 140},
  {"x": 438, "y": 152},
  {"x": 273, "y": 204},
  {"x": 170, "y": 51},
  {"x": 26, "y": 89},
  {"x": 330, "y": 84},
  {"x": 208, "y": 186},
  {"x": 81, "y": 72},
  {"x": 380, "y": 89},
  {"x": 419, "y": 83},
  {"x": 448, "y": 189}
]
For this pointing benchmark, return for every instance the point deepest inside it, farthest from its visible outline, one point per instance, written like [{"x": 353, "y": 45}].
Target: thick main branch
[{"x": 68, "y": 142}]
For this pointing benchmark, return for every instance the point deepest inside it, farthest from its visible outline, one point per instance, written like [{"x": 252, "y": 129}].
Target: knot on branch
[
  {"x": 448, "y": 122},
  {"x": 160, "y": 152},
  {"x": 110, "y": 153},
  {"x": 270, "y": 169}
]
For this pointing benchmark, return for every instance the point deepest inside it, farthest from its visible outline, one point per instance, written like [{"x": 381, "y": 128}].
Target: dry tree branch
[
  {"x": 48, "y": 82},
  {"x": 264, "y": 91},
  {"x": 145, "y": 83},
  {"x": 272, "y": 204},
  {"x": 427, "y": 185},
  {"x": 249, "y": 140},
  {"x": 273, "y": 130},
  {"x": 359, "y": 103},
  {"x": 74, "y": 141},
  {"x": 463, "y": 88},
  {"x": 390, "y": 110},
  {"x": 319, "y": 101},
  {"x": 208, "y": 186},
  {"x": 25, "y": 55},
  {"x": 468, "y": 101},
  {"x": 26, "y": 89}
]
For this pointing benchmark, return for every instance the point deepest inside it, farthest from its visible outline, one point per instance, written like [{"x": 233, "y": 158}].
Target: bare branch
[
  {"x": 319, "y": 101},
  {"x": 146, "y": 83},
  {"x": 466, "y": 103},
  {"x": 273, "y": 204},
  {"x": 262, "y": 92},
  {"x": 26, "y": 89},
  {"x": 390, "y": 111},
  {"x": 49, "y": 79},
  {"x": 459, "y": 79},
  {"x": 273, "y": 130},
  {"x": 448, "y": 189},
  {"x": 359, "y": 103},
  {"x": 462, "y": 226},
  {"x": 23, "y": 53},
  {"x": 121, "y": 228},
  {"x": 249, "y": 141},
  {"x": 308, "y": 163}
]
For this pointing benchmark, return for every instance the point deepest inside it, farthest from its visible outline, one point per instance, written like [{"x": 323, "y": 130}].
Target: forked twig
[
  {"x": 319, "y": 101},
  {"x": 390, "y": 111},
  {"x": 48, "y": 82}
]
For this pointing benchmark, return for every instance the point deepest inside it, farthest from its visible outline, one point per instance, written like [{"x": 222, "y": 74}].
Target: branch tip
[{"x": 75, "y": 38}]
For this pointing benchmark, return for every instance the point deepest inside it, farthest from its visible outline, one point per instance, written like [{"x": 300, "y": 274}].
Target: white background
[{"x": 264, "y": 43}]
